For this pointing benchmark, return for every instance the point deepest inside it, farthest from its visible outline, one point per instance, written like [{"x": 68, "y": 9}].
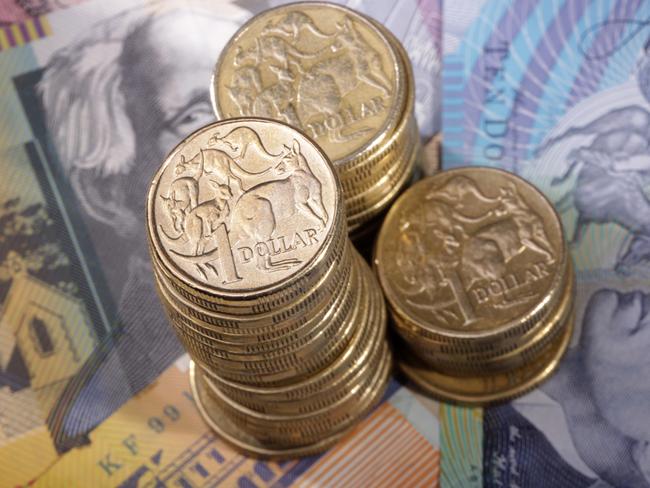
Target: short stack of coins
[
  {"x": 479, "y": 285},
  {"x": 342, "y": 78},
  {"x": 284, "y": 321}
]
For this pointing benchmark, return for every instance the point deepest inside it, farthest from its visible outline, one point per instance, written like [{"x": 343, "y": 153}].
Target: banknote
[
  {"x": 88, "y": 109},
  {"x": 14, "y": 11},
  {"x": 158, "y": 439},
  {"x": 559, "y": 92}
]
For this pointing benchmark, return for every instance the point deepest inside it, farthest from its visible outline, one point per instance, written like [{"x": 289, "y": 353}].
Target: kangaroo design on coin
[
  {"x": 318, "y": 69},
  {"x": 282, "y": 318},
  {"x": 482, "y": 248},
  {"x": 234, "y": 205},
  {"x": 479, "y": 284},
  {"x": 341, "y": 77}
]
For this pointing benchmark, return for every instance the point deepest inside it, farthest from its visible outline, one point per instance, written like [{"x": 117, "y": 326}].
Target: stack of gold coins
[
  {"x": 479, "y": 284},
  {"x": 284, "y": 321},
  {"x": 343, "y": 79}
]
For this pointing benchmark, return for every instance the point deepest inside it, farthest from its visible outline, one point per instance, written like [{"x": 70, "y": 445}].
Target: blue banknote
[{"x": 559, "y": 92}]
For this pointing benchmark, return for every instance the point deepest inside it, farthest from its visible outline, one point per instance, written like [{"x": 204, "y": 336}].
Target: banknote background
[
  {"x": 559, "y": 93},
  {"x": 93, "y": 94},
  {"x": 14, "y": 11}
]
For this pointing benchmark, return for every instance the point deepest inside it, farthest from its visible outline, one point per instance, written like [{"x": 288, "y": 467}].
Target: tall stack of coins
[
  {"x": 340, "y": 77},
  {"x": 284, "y": 321},
  {"x": 479, "y": 284}
]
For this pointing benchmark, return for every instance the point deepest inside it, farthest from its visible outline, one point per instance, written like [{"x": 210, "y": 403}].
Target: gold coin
[
  {"x": 384, "y": 191},
  {"x": 214, "y": 416},
  {"x": 368, "y": 336},
  {"x": 355, "y": 221},
  {"x": 336, "y": 388},
  {"x": 281, "y": 371},
  {"x": 253, "y": 345},
  {"x": 512, "y": 357},
  {"x": 335, "y": 391},
  {"x": 370, "y": 178},
  {"x": 329, "y": 403},
  {"x": 279, "y": 430},
  {"x": 484, "y": 390},
  {"x": 408, "y": 106},
  {"x": 318, "y": 334},
  {"x": 241, "y": 208},
  {"x": 405, "y": 124},
  {"x": 386, "y": 173},
  {"x": 486, "y": 349},
  {"x": 278, "y": 370},
  {"x": 407, "y": 121},
  {"x": 282, "y": 300},
  {"x": 279, "y": 298},
  {"x": 319, "y": 389},
  {"x": 292, "y": 430},
  {"x": 264, "y": 328},
  {"x": 472, "y": 253},
  {"x": 399, "y": 143},
  {"x": 267, "y": 325},
  {"x": 318, "y": 66}
]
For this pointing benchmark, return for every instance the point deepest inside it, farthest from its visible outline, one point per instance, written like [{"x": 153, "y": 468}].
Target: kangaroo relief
[
  {"x": 325, "y": 70},
  {"x": 477, "y": 244},
  {"x": 245, "y": 204}
]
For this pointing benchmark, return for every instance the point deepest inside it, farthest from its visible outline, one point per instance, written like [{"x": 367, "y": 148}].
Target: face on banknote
[
  {"x": 100, "y": 102},
  {"x": 111, "y": 102},
  {"x": 558, "y": 92},
  {"x": 94, "y": 94}
]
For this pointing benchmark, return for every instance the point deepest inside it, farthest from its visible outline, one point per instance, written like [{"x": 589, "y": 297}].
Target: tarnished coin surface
[
  {"x": 472, "y": 252},
  {"x": 241, "y": 207},
  {"x": 317, "y": 66}
]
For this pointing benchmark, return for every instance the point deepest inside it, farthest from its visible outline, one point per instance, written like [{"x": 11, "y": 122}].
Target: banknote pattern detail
[
  {"x": 24, "y": 32},
  {"x": 558, "y": 93},
  {"x": 94, "y": 132}
]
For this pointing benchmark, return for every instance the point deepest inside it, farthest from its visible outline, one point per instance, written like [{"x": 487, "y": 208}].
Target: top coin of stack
[
  {"x": 479, "y": 284},
  {"x": 253, "y": 264},
  {"x": 343, "y": 79}
]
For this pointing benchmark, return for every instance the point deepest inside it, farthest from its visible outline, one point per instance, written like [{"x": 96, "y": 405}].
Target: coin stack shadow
[
  {"x": 479, "y": 284},
  {"x": 343, "y": 78},
  {"x": 286, "y": 369}
]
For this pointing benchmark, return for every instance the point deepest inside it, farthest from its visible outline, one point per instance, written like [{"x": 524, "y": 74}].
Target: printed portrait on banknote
[
  {"x": 115, "y": 99},
  {"x": 585, "y": 427}
]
